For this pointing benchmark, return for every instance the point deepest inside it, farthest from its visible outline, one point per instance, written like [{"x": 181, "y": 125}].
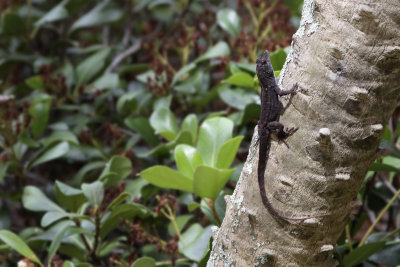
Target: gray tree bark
[{"x": 345, "y": 58}]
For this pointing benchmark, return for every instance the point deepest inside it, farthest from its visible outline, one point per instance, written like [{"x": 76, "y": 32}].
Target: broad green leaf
[
  {"x": 208, "y": 181},
  {"x": 11, "y": 24},
  {"x": 250, "y": 67},
  {"x": 35, "y": 82},
  {"x": 187, "y": 159},
  {"x": 18, "y": 245},
  {"x": 237, "y": 98},
  {"x": 55, "y": 244},
  {"x": 134, "y": 187},
  {"x": 107, "y": 81},
  {"x": 33, "y": 199},
  {"x": 144, "y": 262},
  {"x": 278, "y": 58},
  {"x": 167, "y": 178},
  {"x": 116, "y": 170},
  {"x": 218, "y": 50},
  {"x": 228, "y": 152},
  {"x": 39, "y": 111},
  {"x": 204, "y": 259},
  {"x": 104, "y": 12},
  {"x": 58, "y": 12},
  {"x": 60, "y": 136},
  {"x": 377, "y": 166},
  {"x": 127, "y": 102},
  {"x": 94, "y": 192},
  {"x": 91, "y": 66},
  {"x": 194, "y": 241},
  {"x": 191, "y": 85},
  {"x": 181, "y": 221},
  {"x": 395, "y": 152},
  {"x": 181, "y": 74},
  {"x": 230, "y": 21},
  {"x": 52, "y": 216},
  {"x": 52, "y": 153},
  {"x": 241, "y": 79},
  {"x": 213, "y": 134},
  {"x": 192, "y": 206},
  {"x": 142, "y": 126},
  {"x": 69, "y": 197},
  {"x": 362, "y": 253},
  {"x": 164, "y": 122},
  {"x": 190, "y": 124}
]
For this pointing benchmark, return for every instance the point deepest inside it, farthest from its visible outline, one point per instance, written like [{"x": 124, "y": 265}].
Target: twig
[{"x": 118, "y": 59}]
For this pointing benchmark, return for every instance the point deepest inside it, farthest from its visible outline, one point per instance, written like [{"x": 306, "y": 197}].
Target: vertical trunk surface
[{"x": 345, "y": 58}]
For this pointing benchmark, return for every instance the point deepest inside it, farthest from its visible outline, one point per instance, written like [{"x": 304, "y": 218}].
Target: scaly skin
[{"x": 269, "y": 124}]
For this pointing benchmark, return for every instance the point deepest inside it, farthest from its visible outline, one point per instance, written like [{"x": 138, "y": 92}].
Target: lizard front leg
[{"x": 280, "y": 92}]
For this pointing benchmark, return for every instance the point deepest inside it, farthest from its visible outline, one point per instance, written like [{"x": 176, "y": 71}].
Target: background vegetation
[{"x": 124, "y": 123}]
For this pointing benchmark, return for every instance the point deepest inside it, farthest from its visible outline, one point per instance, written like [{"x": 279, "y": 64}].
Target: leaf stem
[{"x": 379, "y": 217}]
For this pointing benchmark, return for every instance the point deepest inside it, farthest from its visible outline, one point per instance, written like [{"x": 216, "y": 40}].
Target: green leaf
[
  {"x": 144, "y": 262},
  {"x": 218, "y": 50},
  {"x": 241, "y": 79},
  {"x": 107, "y": 81},
  {"x": 362, "y": 253},
  {"x": 94, "y": 192},
  {"x": 3, "y": 170},
  {"x": 208, "y": 181},
  {"x": 192, "y": 206},
  {"x": 167, "y": 178},
  {"x": 228, "y": 152},
  {"x": 18, "y": 245},
  {"x": 198, "y": 82},
  {"x": 60, "y": 136},
  {"x": 182, "y": 73},
  {"x": 164, "y": 122},
  {"x": 39, "y": 111},
  {"x": 69, "y": 197},
  {"x": 187, "y": 159},
  {"x": 181, "y": 221},
  {"x": 55, "y": 244},
  {"x": 125, "y": 211},
  {"x": 119, "y": 199},
  {"x": 52, "y": 153},
  {"x": 142, "y": 126},
  {"x": 91, "y": 66},
  {"x": 33, "y": 199},
  {"x": 230, "y": 21},
  {"x": 194, "y": 241},
  {"x": 204, "y": 259},
  {"x": 127, "y": 102},
  {"x": 237, "y": 98},
  {"x": 213, "y": 134},
  {"x": 52, "y": 216},
  {"x": 278, "y": 58},
  {"x": 116, "y": 170},
  {"x": 249, "y": 67},
  {"x": 11, "y": 24},
  {"x": 190, "y": 124},
  {"x": 104, "y": 12},
  {"x": 376, "y": 166},
  {"x": 35, "y": 82},
  {"x": 58, "y": 12}
]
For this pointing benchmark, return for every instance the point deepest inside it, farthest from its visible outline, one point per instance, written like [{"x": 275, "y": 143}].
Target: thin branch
[{"x": 118, "y": 59}]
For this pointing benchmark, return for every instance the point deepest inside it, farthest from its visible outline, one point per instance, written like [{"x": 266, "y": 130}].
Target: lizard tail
[{"x": 265, "y": 144}]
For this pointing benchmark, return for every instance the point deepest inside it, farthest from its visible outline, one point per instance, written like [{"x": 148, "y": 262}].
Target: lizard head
[{"x": 264, "y": 67}]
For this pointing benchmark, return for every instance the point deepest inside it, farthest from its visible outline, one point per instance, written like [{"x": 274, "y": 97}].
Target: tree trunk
[{"x": 345, "y": 58}]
